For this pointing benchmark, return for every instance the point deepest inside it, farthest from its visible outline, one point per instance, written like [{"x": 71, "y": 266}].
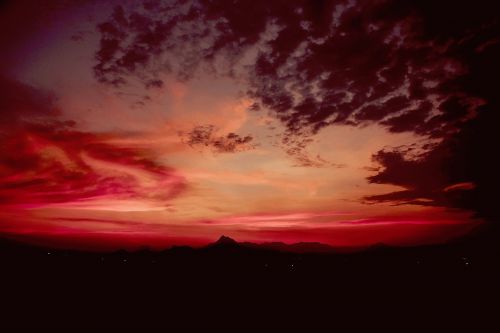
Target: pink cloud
[{"x": 54, "y": 164}]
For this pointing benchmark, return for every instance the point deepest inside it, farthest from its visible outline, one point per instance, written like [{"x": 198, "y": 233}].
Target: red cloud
[{"x": 54, "y": 163}]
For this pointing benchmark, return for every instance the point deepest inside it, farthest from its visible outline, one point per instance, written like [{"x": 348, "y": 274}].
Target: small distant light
[{"x": 48, "y": 253}]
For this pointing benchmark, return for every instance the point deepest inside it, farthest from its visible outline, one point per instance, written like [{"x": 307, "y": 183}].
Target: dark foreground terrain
[
  {"x": 460, "y": 262},
  {"x": 456, "y": 278}
]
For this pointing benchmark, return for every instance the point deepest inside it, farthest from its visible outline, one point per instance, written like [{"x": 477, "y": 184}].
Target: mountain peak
[{"x": 225, "y": 240}]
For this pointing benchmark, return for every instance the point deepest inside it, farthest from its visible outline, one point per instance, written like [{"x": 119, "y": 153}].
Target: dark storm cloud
[
  {"x": 459, "y": 172},
  {"x": 462, "y": 170},
  {"x": 423, "y": 175},
  {"x": 315, "y": 63}
]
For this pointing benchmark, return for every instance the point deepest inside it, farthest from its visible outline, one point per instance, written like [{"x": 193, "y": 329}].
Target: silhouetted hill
[{"x": 225, "y": 242}]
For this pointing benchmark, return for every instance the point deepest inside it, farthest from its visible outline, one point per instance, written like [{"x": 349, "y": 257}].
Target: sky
[{"x": 156, "y": 123}]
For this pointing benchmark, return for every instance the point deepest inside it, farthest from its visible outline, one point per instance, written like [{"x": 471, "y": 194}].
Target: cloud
[
  {"x": 205, "y": 136},
  {"x": 422, "y": 174},
  {"x": 281, "y": 220},
  {"x": 19, "y": 100},
  {"x": 316, "y": 64},
  {"x": 461, "y": 171},
  {"x": 296, "y": 149},
  {"x": 55, "y": 163},
  {"x": 46, "y": 161},
  {"x": 313, "y": 64},
  {"x": 460, "y": 186}
]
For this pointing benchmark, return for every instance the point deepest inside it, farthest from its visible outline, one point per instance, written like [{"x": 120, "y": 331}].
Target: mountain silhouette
[
  {"x": 302, "y": 247},
  {"x": 224, "y": 240}
]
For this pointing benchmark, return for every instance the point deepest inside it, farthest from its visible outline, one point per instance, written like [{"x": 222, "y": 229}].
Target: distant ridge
[
  {"x": 302, "y": 247},
  {"x": 225, "y": 240}
]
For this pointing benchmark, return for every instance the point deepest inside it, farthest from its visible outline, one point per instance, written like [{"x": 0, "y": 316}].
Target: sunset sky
[{"x": 159, "y": 123}]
